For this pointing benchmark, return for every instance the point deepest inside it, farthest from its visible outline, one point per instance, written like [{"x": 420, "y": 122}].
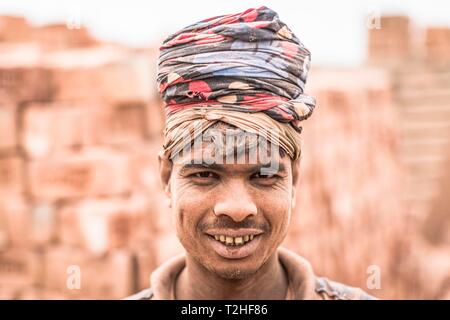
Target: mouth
[
  {"x": 234, "y": 244},
  {"x": 234, "y": 241}
]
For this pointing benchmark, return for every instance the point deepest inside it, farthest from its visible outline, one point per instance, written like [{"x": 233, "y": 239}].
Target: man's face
[{"x": 230, "y": 216}]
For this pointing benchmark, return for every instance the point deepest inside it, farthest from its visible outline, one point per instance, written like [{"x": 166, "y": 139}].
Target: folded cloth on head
[{"x": 248, "y": 63}]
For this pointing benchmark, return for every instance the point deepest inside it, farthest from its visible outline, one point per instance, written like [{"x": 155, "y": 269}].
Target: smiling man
[{"x": 233, "y": 87}]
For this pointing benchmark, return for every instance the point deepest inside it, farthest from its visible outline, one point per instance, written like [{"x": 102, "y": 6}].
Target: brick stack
[
  {"x": 438, "y": 46},
  {"x": 390, "y": 44},
  {"x": 81, "y": 214},
  {"x": 420, "y": 76},
  {"x": 422, "y": 99}
]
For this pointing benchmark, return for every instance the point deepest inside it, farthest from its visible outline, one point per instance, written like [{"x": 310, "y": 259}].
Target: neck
[{"x": 270, "y": 282}]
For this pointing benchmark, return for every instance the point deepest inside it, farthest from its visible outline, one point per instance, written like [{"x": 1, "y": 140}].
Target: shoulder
[
  {"x": 326, "y": 289},
  {"x": 146, "y": 294},
  {"x": 331, "y": 290}
]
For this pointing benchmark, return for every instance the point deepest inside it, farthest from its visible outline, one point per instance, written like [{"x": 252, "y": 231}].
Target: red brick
[
  {"x": 10, "y": 292},
  {"x": 11, "y": 175},
  {"x": 145, "y": 175},
  {"x": 23, "y": 225},
  {"x": 43, "y": 224},
  {"x": 14, "y": 222},
  {"x": 57, "y": 260},
  {"x": 129, "y": 80},
  {"x": 438, "y": 46},
  {"x": 59, "y": 36},
  {"x": 101, "y": 226},
  {"x": 52, "y": 128},
  {"x": 155, "y": 119},
  {"x": 68, "y": 231},
  {"x": 14, "y": 28},
  {"x": 48, "y": 128},
  {"x": 8, "y": 130},
  {"x": 94, "y": 172},
  {"x": 119, "y": 124},
  {"x": 144, "y": 166},
  {"x": 121, "y": 266},
  {"x": 107, "y": 74},
  {"x": 108, "y": 277},
  {"x": 104, "y": 225},
  {"x": 36, "y": 293},
  {"x": 146, "y": 263},
  {"x": 167, "y": 246},
  {"x": 25, "y": 84},
  {"x": 391, "y": 42},
  {"x": 20, "y": 268}
]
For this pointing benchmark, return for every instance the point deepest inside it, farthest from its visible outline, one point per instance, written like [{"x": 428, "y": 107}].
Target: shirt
[{"x": 303, "y": 283}]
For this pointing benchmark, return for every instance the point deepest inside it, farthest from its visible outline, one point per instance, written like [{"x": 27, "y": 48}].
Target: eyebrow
[{"x": 218, "y": 167}]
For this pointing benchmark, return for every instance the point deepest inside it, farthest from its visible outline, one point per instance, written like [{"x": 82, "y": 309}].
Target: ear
[
  {"x": 165, "y": 170},
  {"x": 295, "y": 179}
]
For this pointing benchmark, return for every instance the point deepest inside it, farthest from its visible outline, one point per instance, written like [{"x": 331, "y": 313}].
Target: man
[{"x": 233, "y": 87}]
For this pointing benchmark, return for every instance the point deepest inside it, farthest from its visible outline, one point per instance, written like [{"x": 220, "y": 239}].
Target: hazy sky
[{"x": 334, "y": 31}]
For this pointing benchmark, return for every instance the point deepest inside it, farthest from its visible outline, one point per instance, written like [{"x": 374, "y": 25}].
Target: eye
[
  {"x": 204, "y": 178},
  {"x": 260, "y": 175},
  {"x": 204, "y": 175}
]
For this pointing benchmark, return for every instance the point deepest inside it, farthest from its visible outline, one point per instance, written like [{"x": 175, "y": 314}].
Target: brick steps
[{"x": 423, "y": 104}]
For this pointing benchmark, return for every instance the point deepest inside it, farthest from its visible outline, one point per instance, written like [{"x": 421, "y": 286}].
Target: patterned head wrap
[{"x": 246, "y": 69}]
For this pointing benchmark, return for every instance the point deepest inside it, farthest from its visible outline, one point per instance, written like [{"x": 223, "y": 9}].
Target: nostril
[
  {"x": 236, "y": 201},
  {"x": 235, "y": 210}
]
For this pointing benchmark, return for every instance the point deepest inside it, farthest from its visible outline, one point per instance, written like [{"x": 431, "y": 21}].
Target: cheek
[
  {"x": 276, "y": 208},
  {"x": 189, "y": 206}
]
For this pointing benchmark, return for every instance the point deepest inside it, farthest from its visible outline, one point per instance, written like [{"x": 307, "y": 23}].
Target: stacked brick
[
  {"x": 390, "y": 43},
  {"x": 423, "y": 100},
  {"x": 420, "y": 76},
  {"x": 438, "y": 46},
  {"x": 421, "y": 82},
  {"x": 81, "y": 211}
]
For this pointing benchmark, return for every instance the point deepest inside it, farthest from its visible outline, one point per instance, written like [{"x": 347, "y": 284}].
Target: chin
[
  {"x": 231, "y": 269},
  {"x": 234, "y": 273}
]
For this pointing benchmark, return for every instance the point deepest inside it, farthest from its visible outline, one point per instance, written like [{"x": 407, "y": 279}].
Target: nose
[{"x": 236, "y": 203}]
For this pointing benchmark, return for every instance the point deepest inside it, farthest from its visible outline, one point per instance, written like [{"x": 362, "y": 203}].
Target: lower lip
[{"x": 235, "y": 252}]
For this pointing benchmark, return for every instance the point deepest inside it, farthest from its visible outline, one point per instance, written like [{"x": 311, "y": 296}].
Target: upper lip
[{"x": 233, "y": 232}]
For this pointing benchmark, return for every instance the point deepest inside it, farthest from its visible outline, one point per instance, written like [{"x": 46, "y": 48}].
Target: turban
[{"x": 246, "y": 69}]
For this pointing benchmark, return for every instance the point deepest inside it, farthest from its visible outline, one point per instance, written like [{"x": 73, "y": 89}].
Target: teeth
[{"x": 236, "y": 241}]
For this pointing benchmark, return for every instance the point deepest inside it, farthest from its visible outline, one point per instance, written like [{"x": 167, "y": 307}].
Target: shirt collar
[{"x": 299, "y": 271}]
